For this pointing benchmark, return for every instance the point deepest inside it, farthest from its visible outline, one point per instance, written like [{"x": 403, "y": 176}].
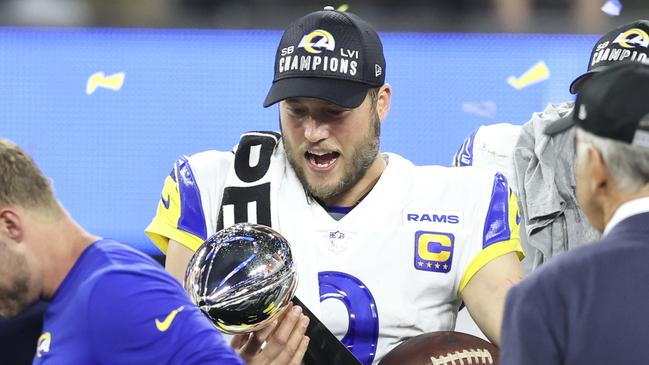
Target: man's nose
[{"x": 315, "y": 130}]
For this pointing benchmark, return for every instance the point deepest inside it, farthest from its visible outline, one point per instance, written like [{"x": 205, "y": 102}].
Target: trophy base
[{"x": 324, "y": 348}]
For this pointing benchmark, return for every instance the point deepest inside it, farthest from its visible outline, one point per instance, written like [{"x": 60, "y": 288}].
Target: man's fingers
[
  {"x": 290, "y": 325},
  {"x": 263, "y": 334},
  {"x": 286, "y": 343},
  {"x": 252, "y": 344},
  {"x": 255, "y": 341},
  {"x": 294, "y": 349},
  {"x": 239, "y": 340},
  {"x": 301, "y": 350},
  {"x": 266, "y": 332},
  {"x": 283, "y": 332}
]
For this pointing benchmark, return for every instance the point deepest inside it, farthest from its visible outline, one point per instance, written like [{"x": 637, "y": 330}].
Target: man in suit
[{"x": 589, "y": 306}]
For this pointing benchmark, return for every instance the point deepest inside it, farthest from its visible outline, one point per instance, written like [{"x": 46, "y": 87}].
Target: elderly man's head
[{"x": 612, "y": 119}]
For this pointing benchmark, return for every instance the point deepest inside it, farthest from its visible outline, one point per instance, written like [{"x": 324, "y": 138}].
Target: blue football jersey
[{"x": 118, "y": 306}]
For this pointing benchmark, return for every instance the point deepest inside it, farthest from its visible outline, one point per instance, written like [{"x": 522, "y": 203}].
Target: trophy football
[{"x": 242, "y": 278}]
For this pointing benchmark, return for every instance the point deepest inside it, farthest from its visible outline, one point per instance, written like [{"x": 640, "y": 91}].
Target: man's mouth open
[{"x": 321, "y": 161}]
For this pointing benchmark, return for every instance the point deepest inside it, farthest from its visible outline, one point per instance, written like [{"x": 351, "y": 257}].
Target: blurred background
[
  {"x": 547, "y": 16},
  {"x": 107, "y": 94}
]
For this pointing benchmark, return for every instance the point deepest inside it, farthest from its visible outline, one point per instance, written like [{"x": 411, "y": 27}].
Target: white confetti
[
  {"x": 612, "y": 7},
  {"x": 485, "y": 109}
]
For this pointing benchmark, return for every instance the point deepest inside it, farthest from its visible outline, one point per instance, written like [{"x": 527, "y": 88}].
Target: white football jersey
[
  {"x": 390, "y": 269},
  {"x": 491, "y": 147}
]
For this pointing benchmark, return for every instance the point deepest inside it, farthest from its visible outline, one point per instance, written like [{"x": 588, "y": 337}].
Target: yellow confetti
[
  {"x": 98, "y": 79},
  {"x": 537, "y": 73}
]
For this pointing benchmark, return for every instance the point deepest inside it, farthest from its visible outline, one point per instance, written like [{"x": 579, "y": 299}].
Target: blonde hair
[{"x": 22, "y": 183}]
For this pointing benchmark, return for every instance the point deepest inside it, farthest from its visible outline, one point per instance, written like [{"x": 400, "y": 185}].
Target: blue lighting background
[{"x": 185, "y": 91}]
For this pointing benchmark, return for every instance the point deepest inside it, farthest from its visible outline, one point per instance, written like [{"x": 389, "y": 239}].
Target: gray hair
[{"x": 628, "y": 164}]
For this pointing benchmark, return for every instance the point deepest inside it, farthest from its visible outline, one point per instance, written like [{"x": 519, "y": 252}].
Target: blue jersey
[{"x": 118, "y": 306}]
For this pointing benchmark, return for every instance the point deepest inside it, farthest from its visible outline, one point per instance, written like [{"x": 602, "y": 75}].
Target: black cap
[
  {"x": 629, "y": 42},
  {"x": 330, "y": 55},
  {"x": 615, "y": 104}
]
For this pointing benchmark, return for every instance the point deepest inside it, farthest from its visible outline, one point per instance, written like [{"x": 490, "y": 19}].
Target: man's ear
[
  {"x": 601, "y": 177},
  {"x": 11, "y": 226},
  {"x": 384, "y": 98}
]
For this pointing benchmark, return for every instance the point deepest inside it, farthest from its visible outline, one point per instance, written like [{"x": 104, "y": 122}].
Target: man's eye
[
  {"x": 297, "y": 111},
  {"x": 336, "y": 112}
]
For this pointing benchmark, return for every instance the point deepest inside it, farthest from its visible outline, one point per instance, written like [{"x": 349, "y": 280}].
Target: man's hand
[{"x": 285, "y": 341}]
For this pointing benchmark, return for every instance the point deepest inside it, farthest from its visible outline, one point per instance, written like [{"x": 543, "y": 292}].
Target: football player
[{"x": 386, "y": 250}]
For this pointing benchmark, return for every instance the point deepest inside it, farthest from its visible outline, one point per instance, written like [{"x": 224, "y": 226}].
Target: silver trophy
[{"x": 242, "y": 277}]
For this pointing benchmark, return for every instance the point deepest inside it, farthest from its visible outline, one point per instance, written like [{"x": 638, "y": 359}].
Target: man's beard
[
  {"x": 14, "y": 299},
  {"x": 356, "y": 164}
]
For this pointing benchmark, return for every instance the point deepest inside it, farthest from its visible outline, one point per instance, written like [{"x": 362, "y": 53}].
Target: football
[{"x": 443, "y": 348}]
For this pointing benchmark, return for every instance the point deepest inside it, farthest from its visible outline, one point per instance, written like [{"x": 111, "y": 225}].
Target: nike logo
[
  {"x": 163, "y": 326},
  {"x": 165, "y": 202}
]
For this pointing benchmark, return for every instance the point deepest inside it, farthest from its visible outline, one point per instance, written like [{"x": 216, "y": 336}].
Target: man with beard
[
  {"x": 109, "y": 304},
  {"x": 385, "y": 250}
]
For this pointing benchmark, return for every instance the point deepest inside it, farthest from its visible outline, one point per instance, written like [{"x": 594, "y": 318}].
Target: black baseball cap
[
  {"x": 330, "y": 55},
  {"x": 615, "y": 104},
  {"x": 629, "y": 42}
]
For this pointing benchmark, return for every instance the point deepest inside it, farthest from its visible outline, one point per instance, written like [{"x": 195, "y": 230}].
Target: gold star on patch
[
  {"x": 445, "y": 267},
  {"x": 420, "y": 263},
  {"x": 437, "y": 265},
  {"x": 429, "y": 264}
]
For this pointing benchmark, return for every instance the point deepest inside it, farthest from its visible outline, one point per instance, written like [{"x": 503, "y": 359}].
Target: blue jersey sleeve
[
  {"x": 180, "y": 214},
  {"x": 464, "y": 154},
  {"x": 144, "y": 317},
  {"x": 501, "y": 232}
]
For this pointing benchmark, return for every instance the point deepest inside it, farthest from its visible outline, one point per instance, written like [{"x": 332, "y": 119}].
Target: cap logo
[
  {"x": 316, "y": 41},
  {"x": 605, "y": 52},
  {"x": 601, "y": 46},
  {"x": 582, "y": 112},
  {"x": 641, "y": 135},
  {"x": 641, "y": 138},
  {"x": 377, "y": 70},
  {"x": 632, "y": 38}
]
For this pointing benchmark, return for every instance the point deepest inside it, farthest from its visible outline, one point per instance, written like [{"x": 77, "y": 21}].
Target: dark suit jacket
[{"x": 587, "y": 306}]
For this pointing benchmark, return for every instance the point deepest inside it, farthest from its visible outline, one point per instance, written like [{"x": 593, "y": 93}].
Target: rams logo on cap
[
  {"x": 316, "y": 41},
  {"x": 633, "y": 37}
]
